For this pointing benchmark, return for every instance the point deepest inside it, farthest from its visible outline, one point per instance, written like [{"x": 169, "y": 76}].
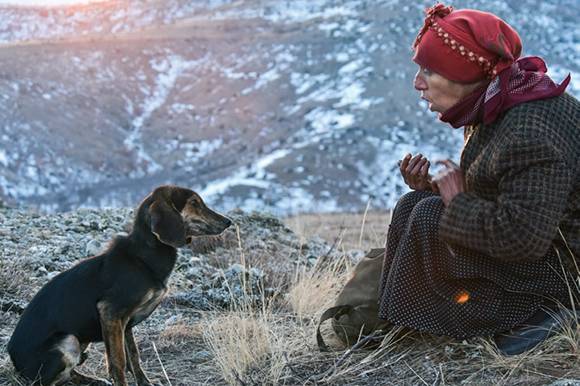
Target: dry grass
[
  {"x": 274, "y": 343},
  {"x": 238, "y": 342},
  {"x": 7, "y": 375},
  {"x": 410, "y": 358},
  {"x": 286, "y": 352},
  {"x": 349, "y": 230},
  {"x": 15, "y": 283},
  {"x": 315, "y": 289},
  {"x": 8, "y": 272}
]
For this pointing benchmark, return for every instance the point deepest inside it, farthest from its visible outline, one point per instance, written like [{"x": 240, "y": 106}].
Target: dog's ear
[{"x": 167, "y": 224}]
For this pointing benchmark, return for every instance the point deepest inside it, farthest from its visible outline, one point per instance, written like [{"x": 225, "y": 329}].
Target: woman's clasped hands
[{"x": 448, "y": 182}]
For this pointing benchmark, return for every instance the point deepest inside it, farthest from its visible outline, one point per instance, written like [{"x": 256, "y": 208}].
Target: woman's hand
[
  {"x": 415, "y": 172},
  {"x": 449, "y": 182}
]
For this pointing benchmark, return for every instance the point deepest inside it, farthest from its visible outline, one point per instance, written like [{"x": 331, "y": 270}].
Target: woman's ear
[{"x": 167, "y": 224}]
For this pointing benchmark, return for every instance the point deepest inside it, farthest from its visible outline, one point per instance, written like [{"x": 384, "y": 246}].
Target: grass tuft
[
  {"x": 238, "y": 342},
  {"x": 315, "y": 289}
]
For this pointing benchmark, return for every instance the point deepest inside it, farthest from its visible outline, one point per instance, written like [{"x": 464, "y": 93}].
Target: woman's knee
[
  {"x": 427, "y": 211},
  {"x": 408, "y": 201}
]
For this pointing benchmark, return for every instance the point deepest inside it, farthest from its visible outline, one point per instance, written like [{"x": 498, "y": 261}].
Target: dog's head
[{"x": 177, "y": 215}]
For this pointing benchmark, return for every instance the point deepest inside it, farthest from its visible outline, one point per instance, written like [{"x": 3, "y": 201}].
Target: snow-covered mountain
[{"x": 287, "y": 106}]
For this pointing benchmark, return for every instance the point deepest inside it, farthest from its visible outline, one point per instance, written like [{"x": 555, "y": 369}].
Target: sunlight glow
[{"x": 46, "y": 3}]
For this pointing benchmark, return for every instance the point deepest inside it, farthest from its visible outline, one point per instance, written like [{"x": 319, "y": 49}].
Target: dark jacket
[{"x": 522, "y": 178}]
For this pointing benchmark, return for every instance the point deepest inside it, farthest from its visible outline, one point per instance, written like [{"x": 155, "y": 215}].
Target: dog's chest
[{"x": 149, "y": 303}]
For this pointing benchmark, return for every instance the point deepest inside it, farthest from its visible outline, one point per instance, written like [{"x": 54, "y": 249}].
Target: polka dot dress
[{"x": 428, "y": 286}]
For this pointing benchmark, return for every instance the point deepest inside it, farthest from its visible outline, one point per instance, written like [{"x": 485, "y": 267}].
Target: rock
[
  {"x": 93, "y": 248},
  {"x": 232, "y": 287},
  {"x": 52, "y": 275}
]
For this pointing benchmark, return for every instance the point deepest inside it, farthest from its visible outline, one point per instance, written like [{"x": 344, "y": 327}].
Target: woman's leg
[
  {"x": 458, "y": 292},
  {"x": 399, "y": 221}
]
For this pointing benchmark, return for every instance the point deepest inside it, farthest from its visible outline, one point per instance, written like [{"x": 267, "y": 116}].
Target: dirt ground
[{"x": 273, "y": 343}]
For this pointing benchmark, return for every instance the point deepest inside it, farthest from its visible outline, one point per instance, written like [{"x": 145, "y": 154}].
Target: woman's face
[{"x": 440, "y": 92}]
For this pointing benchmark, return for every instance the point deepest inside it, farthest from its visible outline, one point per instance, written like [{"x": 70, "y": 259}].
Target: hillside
[{"x": 285, "y": 106}]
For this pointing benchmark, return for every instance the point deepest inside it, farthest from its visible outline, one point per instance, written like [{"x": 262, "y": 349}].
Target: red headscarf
[{"x": 469, "y": 46}]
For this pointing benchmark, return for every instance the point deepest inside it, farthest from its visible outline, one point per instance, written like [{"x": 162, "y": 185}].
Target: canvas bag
[{"x": 356, "y": 309}]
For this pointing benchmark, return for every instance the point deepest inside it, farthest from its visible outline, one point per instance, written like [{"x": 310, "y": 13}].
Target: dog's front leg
[
  {"x": 133, "y": 359},
  {"x": 113, "y": 335}
]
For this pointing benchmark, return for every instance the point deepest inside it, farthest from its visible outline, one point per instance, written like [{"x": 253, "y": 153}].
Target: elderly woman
[{"x": 487, "y": 248}]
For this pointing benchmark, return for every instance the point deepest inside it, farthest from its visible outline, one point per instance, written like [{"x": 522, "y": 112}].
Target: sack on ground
[{"x": 355, "y": 313}]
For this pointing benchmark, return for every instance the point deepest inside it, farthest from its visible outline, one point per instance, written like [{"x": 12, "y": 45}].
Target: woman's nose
[{"x": 419, "y": 82}]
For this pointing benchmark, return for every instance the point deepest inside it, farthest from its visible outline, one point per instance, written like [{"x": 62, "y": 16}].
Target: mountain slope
[{"x": 288, "y": 106}]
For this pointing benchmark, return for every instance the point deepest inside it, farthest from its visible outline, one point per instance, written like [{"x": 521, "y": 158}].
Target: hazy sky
[{"x": 45, "y": 2}]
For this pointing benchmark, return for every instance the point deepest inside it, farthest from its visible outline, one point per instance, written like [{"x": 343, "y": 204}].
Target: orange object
[{"x": 462, "y": 297}]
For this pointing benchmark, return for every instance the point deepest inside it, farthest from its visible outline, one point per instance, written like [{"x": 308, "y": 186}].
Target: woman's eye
[{"x": 426, "y": 71}]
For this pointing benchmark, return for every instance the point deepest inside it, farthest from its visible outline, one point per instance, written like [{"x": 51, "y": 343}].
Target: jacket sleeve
[{"x": 533, "y": 183}]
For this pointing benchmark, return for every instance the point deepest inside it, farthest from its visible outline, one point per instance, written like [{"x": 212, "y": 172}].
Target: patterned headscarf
[{"x": 469, "y": 46}]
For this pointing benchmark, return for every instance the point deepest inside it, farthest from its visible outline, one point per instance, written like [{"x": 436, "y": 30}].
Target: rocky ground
[{"x": 236, "y": 310}]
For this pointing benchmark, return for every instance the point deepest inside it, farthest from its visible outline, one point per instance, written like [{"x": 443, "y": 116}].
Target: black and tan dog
[{"x": 105, "y": 296}]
